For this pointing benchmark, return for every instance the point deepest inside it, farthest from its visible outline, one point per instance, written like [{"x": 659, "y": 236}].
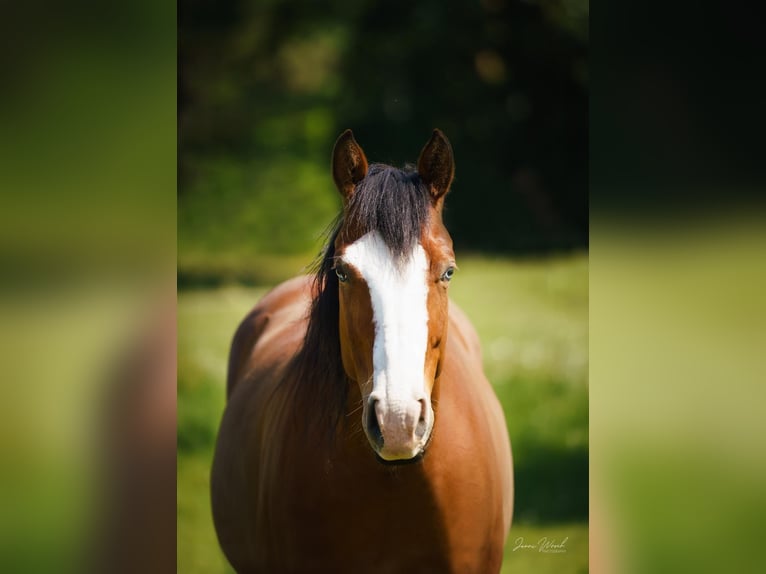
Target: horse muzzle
[{"x": 398, "y": 428}]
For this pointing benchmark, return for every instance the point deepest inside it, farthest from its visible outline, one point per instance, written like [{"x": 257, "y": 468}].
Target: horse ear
[
  {"x": 436, "y": 165},
  {"x": 349, "y": 164}
]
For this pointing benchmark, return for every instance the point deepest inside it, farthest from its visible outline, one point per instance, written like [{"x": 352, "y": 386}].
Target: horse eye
[
  {"x": 448, "y": 274},
  {"x": 342, "y": 276}
]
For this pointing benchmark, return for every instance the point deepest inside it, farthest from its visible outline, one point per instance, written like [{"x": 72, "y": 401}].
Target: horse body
[{"x": 287, "y": 499}]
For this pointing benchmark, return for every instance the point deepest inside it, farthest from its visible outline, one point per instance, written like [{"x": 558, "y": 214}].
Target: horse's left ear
[{"x": 436, "y": 165}]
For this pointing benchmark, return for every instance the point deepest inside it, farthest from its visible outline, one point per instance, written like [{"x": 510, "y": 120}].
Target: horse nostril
[
  {"x": 373, "y": 428},
  {"x": 423, "y": 409},
  {"x": 422, "y": 426}
]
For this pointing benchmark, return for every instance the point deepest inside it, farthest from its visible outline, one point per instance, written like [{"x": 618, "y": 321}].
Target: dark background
[{"x": 266, "y": 87}]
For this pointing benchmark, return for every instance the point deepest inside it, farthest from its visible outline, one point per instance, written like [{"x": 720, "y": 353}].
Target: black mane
[{"x": 395, "y": 203}]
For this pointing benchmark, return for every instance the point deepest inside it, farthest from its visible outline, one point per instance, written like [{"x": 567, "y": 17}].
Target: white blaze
[{"x": 399, "y": 297}]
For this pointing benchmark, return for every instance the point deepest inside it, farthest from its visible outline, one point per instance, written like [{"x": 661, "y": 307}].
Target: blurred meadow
[{"x": 264, "y": 90}]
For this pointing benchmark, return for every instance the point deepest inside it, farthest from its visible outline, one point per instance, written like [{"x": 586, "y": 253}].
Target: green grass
[
  {"x": 572, "y": 537},
  {"x": 198, "y": 550},
  {"x": 532, "y": 318}
]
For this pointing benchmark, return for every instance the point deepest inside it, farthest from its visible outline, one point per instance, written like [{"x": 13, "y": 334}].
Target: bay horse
[{"x": 360, "y": 433}]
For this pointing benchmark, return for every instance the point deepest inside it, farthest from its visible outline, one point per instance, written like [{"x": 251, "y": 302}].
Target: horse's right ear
[{"x": 349, "y": 164}]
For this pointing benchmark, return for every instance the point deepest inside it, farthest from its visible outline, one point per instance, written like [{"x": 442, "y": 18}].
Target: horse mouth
[{"x": 418, "y": 457}]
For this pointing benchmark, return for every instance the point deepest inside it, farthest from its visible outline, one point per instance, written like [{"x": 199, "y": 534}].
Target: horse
[{"x": 360, "y": 433}]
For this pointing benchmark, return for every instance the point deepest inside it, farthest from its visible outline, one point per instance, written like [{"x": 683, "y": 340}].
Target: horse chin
[{"x": 401, "y": 461}]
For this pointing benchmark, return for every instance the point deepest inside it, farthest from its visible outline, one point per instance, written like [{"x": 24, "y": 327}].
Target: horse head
[{"x": 394, "y": 262}]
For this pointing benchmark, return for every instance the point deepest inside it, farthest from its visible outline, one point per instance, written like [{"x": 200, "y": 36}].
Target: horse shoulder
[
  {"x": 465, "y": 349},
  {"x": 280, "y": 314},
  {"x": 261, "y": 350}
]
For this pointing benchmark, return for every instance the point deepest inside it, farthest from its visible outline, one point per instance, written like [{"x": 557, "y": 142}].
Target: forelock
[{"x": 394, "y": 202}]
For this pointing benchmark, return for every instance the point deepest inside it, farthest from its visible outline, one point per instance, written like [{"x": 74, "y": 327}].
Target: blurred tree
[{"x": 265, "y": 87}]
